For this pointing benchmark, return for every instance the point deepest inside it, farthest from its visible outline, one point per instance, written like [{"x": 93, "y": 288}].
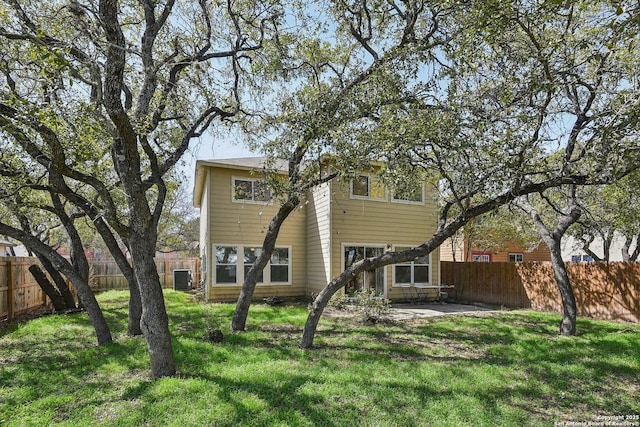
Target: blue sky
[{"x": 208, "y": 148}]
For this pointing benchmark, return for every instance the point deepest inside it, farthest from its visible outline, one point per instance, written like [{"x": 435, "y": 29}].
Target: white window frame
[
  {"x": 515, "y": 255},
  {"x": 270, "y": 265},
  {"x": 480, "y": 258},
  {"x": 240, "y": 265},
  {"x": 215, "y": 265},
  {"x": 413, "y": 265},
  {"x": 410, "y": 202},
  {"x": 253, "y": 182},
  {"x": 369, "y": 197}
]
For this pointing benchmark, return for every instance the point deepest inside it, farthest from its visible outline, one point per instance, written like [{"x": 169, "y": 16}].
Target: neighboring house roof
[
  {"x": 4, "y": 242},
  {"x": 240, "y": 163}
]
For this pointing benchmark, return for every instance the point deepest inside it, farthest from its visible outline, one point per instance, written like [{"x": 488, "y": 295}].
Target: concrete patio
[{"x": 415, "y": 311}]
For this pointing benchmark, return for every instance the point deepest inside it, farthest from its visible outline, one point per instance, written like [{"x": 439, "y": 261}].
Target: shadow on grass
[{"x": 451, "y": 370}]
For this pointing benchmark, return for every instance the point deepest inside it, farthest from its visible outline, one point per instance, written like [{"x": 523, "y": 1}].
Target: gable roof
[{"x": 238, "y": 163}]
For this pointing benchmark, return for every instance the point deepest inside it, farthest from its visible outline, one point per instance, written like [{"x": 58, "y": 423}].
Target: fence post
[
  {"x": 166, "y": 273},
  {"x": 10, "y": 299}
]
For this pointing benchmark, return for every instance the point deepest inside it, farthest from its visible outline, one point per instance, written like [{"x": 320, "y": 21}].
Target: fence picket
[
  {"x": 604, "y": 290},
  {"x": 20, "y": 293}
]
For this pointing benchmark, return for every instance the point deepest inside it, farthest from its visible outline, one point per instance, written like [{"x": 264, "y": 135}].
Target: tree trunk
[
  {"x": 154, "y": 321},
  {"x": 625, "y": 249},
  {"x": 239, "y": 320},
  {"x": 135, "y": 302},
  {"x": 135, "y": 309},
  {"x": 569, "y": 307},
  {"x": 626, "y": 255},
  {"x": 552, "y": 239},
  {"x": 89, "y": 302},
  {"x": 323, "y": 298},
  {"x": 60, "y": 282},
  {"x": 46, "y": 286},
  {"x": 317, "y": 308}
]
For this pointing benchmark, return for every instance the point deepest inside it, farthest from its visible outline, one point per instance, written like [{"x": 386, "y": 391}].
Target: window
[
  {"x": 368, "y": 187},
  {"x": 581, "y": 258},
  {"x": 252, "y": 190},
  {"x": 280, "y": 265},
  {"x": 226, "y": 264},
  {"x": 415, "y": 272},
  {"x": 250, "y": 255},
  {"x": 233, "y": 262},
  {"x": 480, "y": 257},
  {"x": 411, "y": 194},
  {"x": 516, "y": 257}
]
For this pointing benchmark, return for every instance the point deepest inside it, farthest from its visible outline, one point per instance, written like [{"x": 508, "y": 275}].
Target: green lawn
[{"x": 505, "y": 369}]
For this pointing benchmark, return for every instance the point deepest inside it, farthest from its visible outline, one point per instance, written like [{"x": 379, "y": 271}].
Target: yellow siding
[
  {"x": 315, "y": 233},
  {"x": 204, "y": 233},
  {"x": 374, "y": 222},
  {"x": 244, "y": 223},
  {"x": 319, "y": 239}
]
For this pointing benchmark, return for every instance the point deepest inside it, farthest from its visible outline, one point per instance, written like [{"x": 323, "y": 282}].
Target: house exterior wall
[
  {"x": 316, "y": 235},
  {"x": 243, "y": 224},
  {"x": 572, "y": 248},
  {"x": 318, "y": 239},
  {"x": 539, "y": 253},
  {"x": 205, "y": 215},
  {"x": 453, "y": 250},
  {"x": 370, "y": 222}
]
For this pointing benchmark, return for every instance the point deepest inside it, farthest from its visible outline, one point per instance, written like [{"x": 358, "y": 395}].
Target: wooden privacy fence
[
  {"x": 105, "y": 275},
  {"x": 19, "y": 291},
  {"x": 603, "y": 290}
]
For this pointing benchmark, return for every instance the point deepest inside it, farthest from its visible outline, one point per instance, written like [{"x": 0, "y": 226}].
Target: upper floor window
[
  {"x": 480, "y": 257},
  {"x": 516, "y": 257},
  {"x": 253, "y": 190},
  {"x": 367, "y": 186},
  {"x": 412, "y": 194}
]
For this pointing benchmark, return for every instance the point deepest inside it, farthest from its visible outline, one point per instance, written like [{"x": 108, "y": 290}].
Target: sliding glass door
[{"x": 372, "y": 280}]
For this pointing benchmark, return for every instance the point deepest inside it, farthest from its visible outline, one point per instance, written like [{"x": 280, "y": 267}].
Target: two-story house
[{"x": 337, "y": 224}]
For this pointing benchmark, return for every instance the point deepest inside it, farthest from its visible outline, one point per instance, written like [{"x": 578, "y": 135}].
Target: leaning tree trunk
[
  {"x": 239, "y": 320},
  {"x": 89, "y": 302},
  {"x": 569, "y": 307},
  {"x": 323, "y": 298},
  {"x": 46, "y": 286},
  {"x": 318, "y": 306},
  {"x": 154, "y": 321},
  {"x": 60, "y": 283}
]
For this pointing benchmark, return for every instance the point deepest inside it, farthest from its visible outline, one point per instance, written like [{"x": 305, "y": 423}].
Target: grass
[{"x": 506, "y": 369}]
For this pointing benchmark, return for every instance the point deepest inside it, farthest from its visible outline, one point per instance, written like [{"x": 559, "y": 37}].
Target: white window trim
[
  {"x": 356, "y": 196},
  {"x": 249, "y": 201},
  {"x": 481, "y": 257},
  {"x": 266, "y": 275},
  {"x": 409, "y": 202},
  {"x": 367, "y": 245},
  {"x": 413, "y": 284},
  {"x": 515, "y": 254},
  {"x": 214, "y": 267}
]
